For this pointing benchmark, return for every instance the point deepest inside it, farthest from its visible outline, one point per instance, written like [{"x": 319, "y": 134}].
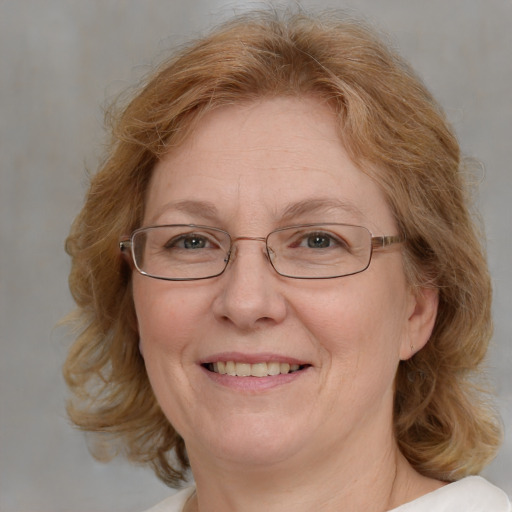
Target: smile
[{"x": 264, "y": 369}]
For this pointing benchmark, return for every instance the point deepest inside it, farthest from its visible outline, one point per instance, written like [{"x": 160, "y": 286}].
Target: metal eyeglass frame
[{"x": 377, "y": 242}]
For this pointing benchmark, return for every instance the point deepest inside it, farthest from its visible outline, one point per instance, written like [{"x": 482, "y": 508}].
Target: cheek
[
  {"x": 167, "y": 323},
  {"x": 356, "y": 329},
  {"x": 166, "y": 315}
]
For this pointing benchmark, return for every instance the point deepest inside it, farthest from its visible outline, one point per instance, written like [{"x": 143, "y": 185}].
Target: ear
[{"x": 422, "y": 313}]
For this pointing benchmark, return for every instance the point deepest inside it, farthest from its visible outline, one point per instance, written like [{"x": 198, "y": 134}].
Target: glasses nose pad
[
  {"x": 230, "y": 255},
  {"x": 271, "y": 254}
]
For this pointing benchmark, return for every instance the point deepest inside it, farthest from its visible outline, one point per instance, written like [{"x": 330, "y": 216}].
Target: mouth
[{"x": 261, "y": 369}]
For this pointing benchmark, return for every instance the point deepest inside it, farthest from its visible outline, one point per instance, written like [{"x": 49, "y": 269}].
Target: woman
[{"x": 279, "y": 282}]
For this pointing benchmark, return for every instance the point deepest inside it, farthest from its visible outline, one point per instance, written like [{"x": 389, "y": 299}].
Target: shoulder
[
  {"x": 471, "y": 494},
  {"x": 174, "y": 503}
]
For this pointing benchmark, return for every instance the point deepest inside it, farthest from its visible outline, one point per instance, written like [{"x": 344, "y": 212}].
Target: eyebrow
[
  {"x": 204, "y": 209},
  {"x": 318, "y": 205},
  {"x": 315, "y": 205}
]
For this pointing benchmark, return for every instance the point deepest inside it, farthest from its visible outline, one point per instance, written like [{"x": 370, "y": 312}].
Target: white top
[{"x": 471, "y": 494}]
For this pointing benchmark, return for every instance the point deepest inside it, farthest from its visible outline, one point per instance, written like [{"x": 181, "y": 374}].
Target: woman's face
[{"x": 243, "y": 168}]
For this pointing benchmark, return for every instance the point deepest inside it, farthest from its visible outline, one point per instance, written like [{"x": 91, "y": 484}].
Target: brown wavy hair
[{"x": 392, "y": 128}]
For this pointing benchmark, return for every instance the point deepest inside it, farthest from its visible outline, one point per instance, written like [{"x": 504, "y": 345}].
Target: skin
[{"x": 322, "y": 440}]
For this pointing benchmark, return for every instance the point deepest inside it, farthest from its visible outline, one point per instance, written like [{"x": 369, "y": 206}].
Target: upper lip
[{"x": 264, "y": 357}]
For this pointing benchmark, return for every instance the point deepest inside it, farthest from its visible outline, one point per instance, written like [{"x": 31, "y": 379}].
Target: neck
[{"x": 374, "y": 480}]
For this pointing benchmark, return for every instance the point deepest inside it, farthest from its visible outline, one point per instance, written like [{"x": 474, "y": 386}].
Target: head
[{"x": 391, "y": 129}]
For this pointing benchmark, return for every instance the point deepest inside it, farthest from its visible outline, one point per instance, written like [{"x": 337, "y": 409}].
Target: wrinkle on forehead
[
  {"x": 278, "y": 161},
  {"x": 287, "y": 214}
]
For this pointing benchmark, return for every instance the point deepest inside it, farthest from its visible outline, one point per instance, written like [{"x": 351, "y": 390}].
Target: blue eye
[
  {"x": 319, "y": 241},
  {"x": 189, "y": 241},
  {"x": 194, "y": 242}
]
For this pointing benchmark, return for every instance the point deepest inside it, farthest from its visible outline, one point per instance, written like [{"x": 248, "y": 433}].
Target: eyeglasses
[{"x": 186, "y": 252}]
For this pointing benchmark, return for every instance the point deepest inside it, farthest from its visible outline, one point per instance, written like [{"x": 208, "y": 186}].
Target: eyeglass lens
[{"x": 181, "y": 252}]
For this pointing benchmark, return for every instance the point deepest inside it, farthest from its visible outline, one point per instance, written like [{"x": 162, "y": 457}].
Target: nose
[{"x": 250, "y": 297}]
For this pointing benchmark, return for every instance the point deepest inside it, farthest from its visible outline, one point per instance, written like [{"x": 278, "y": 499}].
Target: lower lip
[{"x": 254, "y": 384}]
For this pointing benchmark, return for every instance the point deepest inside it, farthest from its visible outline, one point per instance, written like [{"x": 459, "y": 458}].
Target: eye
[
  {"x": 319, "y": 240},
  {"x": 190, "y": 241}
]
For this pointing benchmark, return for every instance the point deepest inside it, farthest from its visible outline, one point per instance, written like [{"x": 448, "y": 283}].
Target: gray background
[{"x": 60, "y": 61}]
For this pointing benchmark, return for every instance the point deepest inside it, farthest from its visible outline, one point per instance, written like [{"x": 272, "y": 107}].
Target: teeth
[
  {"x": 259, "y": 370},
  {"x": 231, "y": 368},
  {"x": 243, "y": 369},
  {"x": 273, "y": 368},
  {"x": 253, "y": 370}
]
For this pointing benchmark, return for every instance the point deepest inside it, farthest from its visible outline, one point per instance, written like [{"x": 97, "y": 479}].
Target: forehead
[{"x": 265, "y": 161}]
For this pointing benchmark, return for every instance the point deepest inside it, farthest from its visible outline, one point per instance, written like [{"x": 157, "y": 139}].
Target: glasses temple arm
[
  {"x": 125, "y": 245},
  {"x": 385, "y": 241}
]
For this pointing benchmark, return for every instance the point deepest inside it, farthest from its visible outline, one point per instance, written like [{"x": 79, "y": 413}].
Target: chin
[{"x": 254, "y": 444}]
